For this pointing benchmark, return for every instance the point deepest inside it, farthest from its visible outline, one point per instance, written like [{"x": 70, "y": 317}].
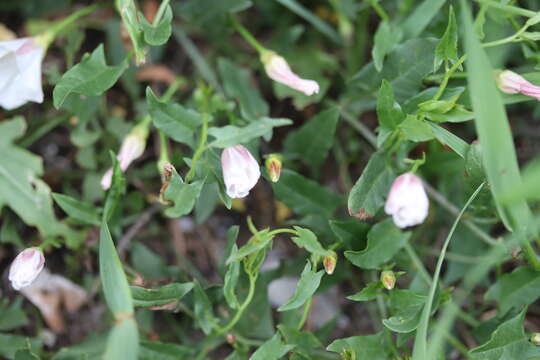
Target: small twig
[{"x": 136, "y": 227}]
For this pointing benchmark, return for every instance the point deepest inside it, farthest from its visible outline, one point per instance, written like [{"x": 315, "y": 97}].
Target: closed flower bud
[
  {"x": 26, "y": 267},
  {"x": 329, "y": 262},
  {"x": 407, "y": 201},
  {"x": 511, "y": 83},
  {"x": 273, "y": 166},
  {"x": 240, "y": 171},
  {"x": 20, "y": 72},
  {"x": 277, "y": 69},
  {"x": 388, "y": 279},
  {"x": 535, "y": 339}
]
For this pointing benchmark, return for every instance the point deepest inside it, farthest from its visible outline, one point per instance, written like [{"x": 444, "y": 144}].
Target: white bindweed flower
[
  {"x": 20, "y": 72},
  {"x": 26, "y": 267},
  {"x": 278, "y": 70},
  {"x": 511, "y": 83},
  {"x": 240, "y": 171},
  {"x": 407, "y": 201}
]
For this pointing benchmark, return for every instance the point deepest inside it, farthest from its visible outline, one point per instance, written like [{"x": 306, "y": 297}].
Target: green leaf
[
  {"x": 257, "y": 242},
  {"x": 78, "y": 210},
  {"x": 131, "y": 22},
  {"x": 493, "y": 130},
  {"x": 370, "y": 190},
  {"x": 92, "y": 76},
  {"x": 446, "y": 49},
  {"x": 312, "y": 141},
  {"x": 115, "y": 192},
  {"x": 416, "y": 129},
  {"x": 231, "y": 135},
  {"x": 508, "y": 342},
  {"x": 421, "y": 17},
  {"x": 113, "y": 279},
  {"x": 304, "y": 342},
  {"x": 123, "y": 341},
  {"x": 174, "y": 120},
  {"x": 272, "y": 349},
  {"x": 158, "y": 34},
  {"x": 386, "y": 37},
  {"x": 459, "y": 146},
  {"x": 372, "y": 347},
  {"x": 239, "y": 86},
  {"x": 9, "y": 344},
  {"x": 307, "y": 285},
  {"x": 406, "y": 307},
  {"x": 25, "y": 354},
  {"x": 204, "y": 313},
  {"x": 150, "y": 350},
  {"x": 389, "y": 112},
  {"x": 384, "y": 241},
  {"x": 20, "y": 188},
  {"x": 208, "y": 12},
  {"x": 370, "y": 292},
  {"x": 12, "y": 316},
  {"x": 163, "y": 295},
  {"x": 231, "y": 280},
  {"x": 305, "y": 196},
  {"x": 306, "y": 239},
  {"x": 515, "y": 290},
  {"x": 182, "y": 195},
  {"x": 404, "y": 69},
  {"x": 351, "y": 233}
]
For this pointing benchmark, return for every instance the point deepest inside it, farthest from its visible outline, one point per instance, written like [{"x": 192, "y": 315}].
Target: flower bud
[
  {"x": 273, "y": 166},
  {"x": 231, "y": 338},
  {"x": 388, "y": 279},
  {"x": 511, "y": 83},
  {"x": 277, "y": 69},
  {"x": 407, "y": 201},
  {"x": 535, "y": 338},
  {"x": 329, "y": 262},
  {"x": 20, "y": 73},
  {"x": 240, "y": 171},
  {"x": 26, "y": 267}
]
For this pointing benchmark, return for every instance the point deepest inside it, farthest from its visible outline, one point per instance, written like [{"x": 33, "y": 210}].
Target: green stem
[
  {"x": 247, "y": 36},
  {"x": 243, "y": 306},
  {"x": 305, "y": 314},
  {"x": 530, "y": 255},
  {"x": 160, "y": 12},
  {"x": 379, "y": 10},
  {"x": 200, "y": 148},
  {"x": 164, "y": 156},
  {"x": 508, "y": 8},
  {"x": 281, "y": 231},
  {"x": 447, "y": 76}
]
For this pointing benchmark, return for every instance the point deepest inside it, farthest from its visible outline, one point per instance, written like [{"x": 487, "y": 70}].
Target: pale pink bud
[
  {"x": 273, "y": 166},
  {"x": 329, "y": 263},
  {"x": 388, "y": 279},
  {"x": 240, "y": 171},
  {"x": 512, "y": 83},
  {"x": 26, "y": 267},
  {"x": 20, "y": 72},
  {"x": 278, "y": 70},
  {"x": 407, "y": 201}
]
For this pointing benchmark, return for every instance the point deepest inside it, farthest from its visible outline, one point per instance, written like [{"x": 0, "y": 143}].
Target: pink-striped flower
[
  {"x": 278, "y": 70},
  {"x": 20, "y": 72},
  {"x": 26, "y": 267},
  {"x": 240, "y": 171},
  {"x": 511, "y": 83},
  {"x": 407, "y": 201}
]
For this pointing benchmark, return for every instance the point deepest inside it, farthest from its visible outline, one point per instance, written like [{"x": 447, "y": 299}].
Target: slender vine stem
[
  {"x": 247, "y": 36},
  {"x": 305, "y": 314}
]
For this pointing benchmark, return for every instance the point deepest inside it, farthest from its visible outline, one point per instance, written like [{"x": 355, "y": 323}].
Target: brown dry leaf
[
  {"x": 6, "y": 34},
  {"x": 157, "y": 73},
  {"x": 51, "y": 293}
]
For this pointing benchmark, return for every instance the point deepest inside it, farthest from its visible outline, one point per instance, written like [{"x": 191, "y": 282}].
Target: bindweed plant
[{"x": 256, "y": 179}]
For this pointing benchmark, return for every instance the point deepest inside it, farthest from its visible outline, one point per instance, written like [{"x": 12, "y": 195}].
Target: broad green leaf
[
  {"x": 493, "y": 130},
  {"x": 26, "y": 354},
  {"x": 158, "y": 34},
  {"x": 308, "y": 240},
  {"x": 406, "y": 307},
  {"x": 305, "y": 196},
  {"x": 372, "y": 347},
  {"x": 113, "y": 279},
  {"x": 404, "y": 69},
  {"x": 515, "y": 290},
  {"x": 447, "y": 47},
  {"x": 204, "y": 314},
  {"x": 389, "y": 112},
  {"x": 352, "y": 233},
  {"x": 78, "y": 210},
  {"x": 306, "y": 287},
  {"x": 416, "y": 129},
  {"x": 456, "y": 115},
  {"x": 304, "y": 342},
  {"x": 272, "y": 349},
  {"x": 231, "y": 280},
  {"x": 508, "y": 342},
  {"x": 384, "y": 241},
  {"x": 163, "y": 295},
  {"x": 239, "y": 86},
  {"x": 174, "y": 120},
  {"x": 20, "y": 188},
  {"x": 182, "y": 195},
  {"x": 529, "y": 188},
  {"x": 131, "y": 22},
  {"x": 421, "y": 17},
  {"x": 257, "y": 242},
  {"x": 368, "y": 193},
  {"x": 370, "y": 292},
  {"x": 386, "y": 37},
  {"x": 12, "y": 316},
  {"x": 123, "y": 341},
  {"x": 92, "y": 76},
  {"x": 459, "y": 146},
  {"x": 150, "y": 350},
  {"x": 9, "y": 344},
  {"x": 231, "y": 135},
  {"x": 312, "y": 141}
]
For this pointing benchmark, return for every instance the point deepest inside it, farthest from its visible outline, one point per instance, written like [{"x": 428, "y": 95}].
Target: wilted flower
[
  {"x": 388, "y": 279},
  {"x": 512, "y": 83},
  {"x": 20, "y": 72},
  {"x": 407, "y": 201},
  {"x": 278, "y": 70},
  {"x": 273, "y": 166},
  {"x": 132, "y": 147},
  {"x": 26, "y": 267},
  {"x": 329, "y": 262},
  {"x": 240, "y": 171}
]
